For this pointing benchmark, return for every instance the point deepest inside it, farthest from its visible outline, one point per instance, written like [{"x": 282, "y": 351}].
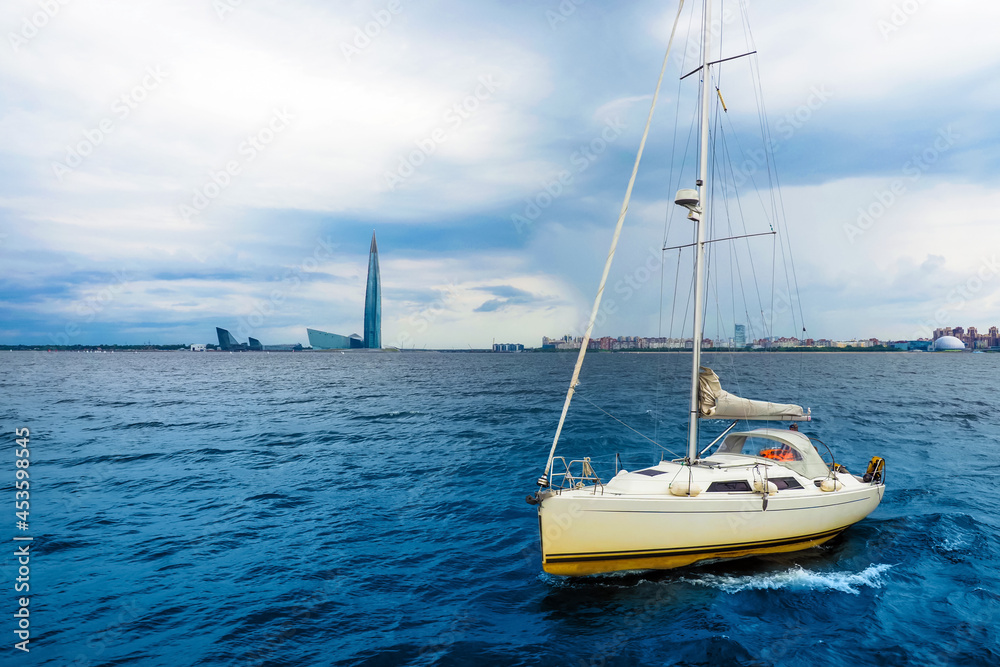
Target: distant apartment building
[
  {"x": 740, "y": 335},
  {"x": 971, "y": 337},
  {"x": 625, "y": 343},
  {"x": 619, "y": 343},
  {"x": 508, "y": 347}
]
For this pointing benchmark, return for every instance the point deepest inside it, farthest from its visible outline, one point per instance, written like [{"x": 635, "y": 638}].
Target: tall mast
[{"x": 702, "y": 216}]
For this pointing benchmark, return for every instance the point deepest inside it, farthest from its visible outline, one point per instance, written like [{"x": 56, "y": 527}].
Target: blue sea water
[{"x": 368, "y": 509}]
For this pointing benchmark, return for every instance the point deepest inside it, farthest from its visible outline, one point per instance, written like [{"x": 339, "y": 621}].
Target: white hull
[{"x": 634, "y": 522}]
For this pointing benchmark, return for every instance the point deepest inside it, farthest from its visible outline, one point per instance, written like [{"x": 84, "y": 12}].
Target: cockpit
[{"x": 788, "y": 448}]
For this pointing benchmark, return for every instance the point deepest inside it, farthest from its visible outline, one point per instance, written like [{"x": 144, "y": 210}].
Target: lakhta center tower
[
  {"x": 373, "y": 301},
  {"x": 372, "y": 338}
]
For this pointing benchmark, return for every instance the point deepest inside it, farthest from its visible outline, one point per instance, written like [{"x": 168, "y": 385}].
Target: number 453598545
[{"x": 22, "y": 456}]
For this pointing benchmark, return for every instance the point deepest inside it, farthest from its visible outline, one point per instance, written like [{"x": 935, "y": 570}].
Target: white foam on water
[
  {"x": 956, "y": 543},
  {"x": 799, "y": 578}
]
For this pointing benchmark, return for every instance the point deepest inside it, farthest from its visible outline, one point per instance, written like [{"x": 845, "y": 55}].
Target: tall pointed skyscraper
[{"x": 373, "y": 301}]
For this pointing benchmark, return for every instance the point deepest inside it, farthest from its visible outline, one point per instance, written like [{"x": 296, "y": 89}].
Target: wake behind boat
[{"x": 759, "y": 491}]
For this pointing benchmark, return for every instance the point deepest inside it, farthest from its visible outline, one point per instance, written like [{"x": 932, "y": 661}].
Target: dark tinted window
[{"x": 736, "y": 485}]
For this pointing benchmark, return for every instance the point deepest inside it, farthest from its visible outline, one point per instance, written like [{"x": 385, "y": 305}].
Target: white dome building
[{"x": 947, "y": 344}]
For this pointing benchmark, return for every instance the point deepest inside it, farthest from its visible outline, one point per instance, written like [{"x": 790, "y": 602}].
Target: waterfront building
[
  {"x": 227, "y": 342},
  {"x": 740, "y": 335},
  {"x": 323, "y": 340},
  {"x": 970, "y": 337},
  {"x": 284, "y": 347},
  {"x": 372, "y": 338},
  {"x": 948, "y": 344}
]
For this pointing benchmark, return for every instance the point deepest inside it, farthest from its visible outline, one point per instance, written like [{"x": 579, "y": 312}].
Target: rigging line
[
  {"x": 777, "y": 200},
  {"x": 734, "y": 258},
  {"x": 753, "y": 265},
  {"x": 668, "y": 225},
  {"x": 755, "y": 72},
  {"x": 677, "y": 277},
  {"x": 688, "y": 146},
  {"x": 663, "y": 268},
  {"x": 774, "y": 261},
  {"x": 659, "y": 334},
  {"x": 788, "y": 258},
  {"x": 713, "y": 215},
  {"x": 721, "y": 323},
  {"x": 673, "y": 305},
  {"x": 765, "y": 135},
  {"x": 673, "y": 141},
  {"x": 758, "y": 99},
  {"x": 739, "y": 269},
  {"x": 732, "y": 262},
  {"x": 611, "y": 252},
  {"x": 687, "y": 303},
  {"x": 750, "y": 256},
  {"x": 739, "y": 266},
  {"x": 769, "y": 216},
  {"x": 779, "y": 221},
  {"x": 718, "y": 313},
  {"x": 584, "y": 398},
  {"x": 714, "y": 180},
  {"x": 783, "y": 216},
  {"x": 726, "y": 166}
]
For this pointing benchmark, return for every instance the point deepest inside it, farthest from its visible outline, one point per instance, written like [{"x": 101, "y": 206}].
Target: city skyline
[
  {"x": 495, "y": 175},
  {"x": 969, "y": 336}
]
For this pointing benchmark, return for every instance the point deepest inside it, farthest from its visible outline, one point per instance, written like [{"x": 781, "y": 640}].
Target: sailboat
[{"x": 760, "y": 491}]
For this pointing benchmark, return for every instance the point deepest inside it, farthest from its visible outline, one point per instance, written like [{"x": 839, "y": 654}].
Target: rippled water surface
[{"x": 313, "y": 509}]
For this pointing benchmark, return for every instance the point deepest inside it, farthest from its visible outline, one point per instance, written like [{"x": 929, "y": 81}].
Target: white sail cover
[{"x": 717, "y": 403}]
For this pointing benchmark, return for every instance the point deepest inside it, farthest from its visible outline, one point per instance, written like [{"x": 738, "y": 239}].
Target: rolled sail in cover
[{"x": 717, "y": 403}]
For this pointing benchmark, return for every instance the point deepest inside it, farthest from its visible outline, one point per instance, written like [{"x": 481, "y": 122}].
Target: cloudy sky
[{"x": 172, "y": 166}]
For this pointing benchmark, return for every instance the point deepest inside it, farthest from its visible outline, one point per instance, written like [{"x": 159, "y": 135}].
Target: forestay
[{"x": 717, "y": 403}]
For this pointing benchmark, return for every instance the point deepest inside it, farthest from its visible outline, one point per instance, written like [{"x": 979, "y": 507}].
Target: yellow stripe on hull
[{"x": 581, "y": 564}]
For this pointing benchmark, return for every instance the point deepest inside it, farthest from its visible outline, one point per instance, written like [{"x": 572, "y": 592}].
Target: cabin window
[
  {"x": 785, "y": 483},
  {"x": 734, "y": 486},
  {"x": 651, "y": 472},
  {"x": 762, "y": 447}
]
